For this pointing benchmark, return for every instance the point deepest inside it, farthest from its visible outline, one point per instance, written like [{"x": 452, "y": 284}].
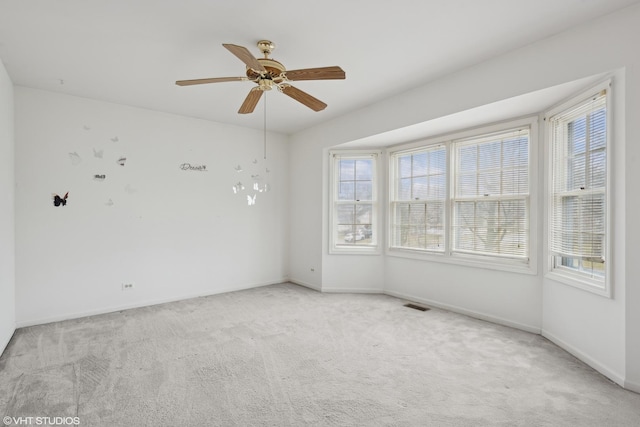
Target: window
[
  {"x": 418, "y": 199},
  {"x": 354, "y": 194},
  {"x": 466, "y": 197},
  {"x": 491, "y": 195},
  {"x": 578, "y": 197}
]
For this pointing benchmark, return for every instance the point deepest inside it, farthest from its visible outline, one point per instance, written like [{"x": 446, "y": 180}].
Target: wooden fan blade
[
  {"x": 250, "y": 101},
  {"x": 212, "y": 80},
  {"x": 323, "y": 73},
  {"x": 303, "y": 97},
  {"x": 245, "y": 56}
]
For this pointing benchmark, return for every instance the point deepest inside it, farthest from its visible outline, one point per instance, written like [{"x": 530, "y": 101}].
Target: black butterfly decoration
[{"x": 57, "y": 200}]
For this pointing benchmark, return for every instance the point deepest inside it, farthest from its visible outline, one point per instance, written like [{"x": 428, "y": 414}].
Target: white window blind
[
  {"x": 490, "y": 201},
  {"x": 418, "y": 199},
  {"x": 354, "y": 204},
  {"x": 578, "y": 181}
]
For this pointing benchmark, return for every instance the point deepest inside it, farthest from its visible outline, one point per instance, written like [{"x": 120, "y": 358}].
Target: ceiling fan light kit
[{"x": 268, "y": 73}]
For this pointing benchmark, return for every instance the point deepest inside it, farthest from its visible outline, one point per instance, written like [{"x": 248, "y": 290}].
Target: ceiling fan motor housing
[{"x": 274, "y": 70}]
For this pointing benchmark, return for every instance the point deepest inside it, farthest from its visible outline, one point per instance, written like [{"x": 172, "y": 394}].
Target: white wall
[
  {"x": 573, "y": 318},
  {"x": 309, "y": 221},
  {"x": 7, "y": 240},
  {"x": 173, "y": 233},
  {"x": 511, "y": 299},
  {"x": 631, "y": 208},
  {"x": 305, "y": 224},
  {"x": 604, "y": 332}
]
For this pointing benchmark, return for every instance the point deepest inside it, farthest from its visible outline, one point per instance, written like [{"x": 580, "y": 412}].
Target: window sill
[
  {"x": 577, "y": 281},
  {"x": 365, "y": 250},
  {"x": 509, "y": 265}
]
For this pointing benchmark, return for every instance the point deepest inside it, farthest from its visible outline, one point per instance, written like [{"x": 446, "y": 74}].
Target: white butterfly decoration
[
  {"x": 238, "y": 188},
  {"x": 259, "y": 185}
]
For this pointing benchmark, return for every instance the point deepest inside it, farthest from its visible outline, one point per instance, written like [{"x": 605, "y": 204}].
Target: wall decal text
[{"x": 190, "y": 167}]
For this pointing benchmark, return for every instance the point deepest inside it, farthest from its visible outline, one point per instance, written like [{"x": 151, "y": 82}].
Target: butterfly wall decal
[
  {"x": 57, "y": 200},
  {"x": 238, "y": 188},
  {"x": 98, "y": 153},
  {"x": 75, "y": 158}
]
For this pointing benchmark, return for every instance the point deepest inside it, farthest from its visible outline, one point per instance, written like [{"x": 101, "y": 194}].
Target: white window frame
[
  {"x": 338, "y": 247},
  {"x": 395, "y": 200},
  {"x": 563, "y": 274},
  {"x": 455, "y": 198},
  {"x": 526, "y": 266}
]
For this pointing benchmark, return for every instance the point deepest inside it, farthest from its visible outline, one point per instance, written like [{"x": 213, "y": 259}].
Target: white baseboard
[
  {"x": 336, "y": 290},
  {"x": 613, "y": 376},
  {"x": 470, "y": 313},
  {"x": 352, "y": 290},
  {"x": 630, "y": 385},
  {"x": 306, "y": 284},
  {"x": 3, "y": 345},
  {"x": 77, "y": 315}
]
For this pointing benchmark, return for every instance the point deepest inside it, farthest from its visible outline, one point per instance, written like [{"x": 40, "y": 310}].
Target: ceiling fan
[{"x": 268, "y": 73}]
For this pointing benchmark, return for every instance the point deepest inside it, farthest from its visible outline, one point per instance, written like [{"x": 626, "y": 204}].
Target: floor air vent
[{"x": 417, "y": 307}]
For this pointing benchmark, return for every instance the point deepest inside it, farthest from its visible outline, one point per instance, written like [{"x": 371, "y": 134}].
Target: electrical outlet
[{"x": 127, "y": 286}]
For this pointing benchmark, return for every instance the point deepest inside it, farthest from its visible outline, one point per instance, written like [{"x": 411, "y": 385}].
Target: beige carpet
[{"x": 285, "y": 355}]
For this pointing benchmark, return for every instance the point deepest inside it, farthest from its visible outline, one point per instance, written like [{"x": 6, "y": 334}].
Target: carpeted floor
[{"x": 284, "y": 355}]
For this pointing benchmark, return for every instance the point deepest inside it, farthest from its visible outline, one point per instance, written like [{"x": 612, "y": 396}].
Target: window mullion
[
  {"x": 587, "y": 154},
  {"x": 448, "y": 208},
  {"x": 501, "y": 167},
  {"x": 477, "y": 169}
]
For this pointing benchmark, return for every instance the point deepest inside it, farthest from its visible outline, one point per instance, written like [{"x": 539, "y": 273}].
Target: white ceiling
[{"x": 132, "y": 52}]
